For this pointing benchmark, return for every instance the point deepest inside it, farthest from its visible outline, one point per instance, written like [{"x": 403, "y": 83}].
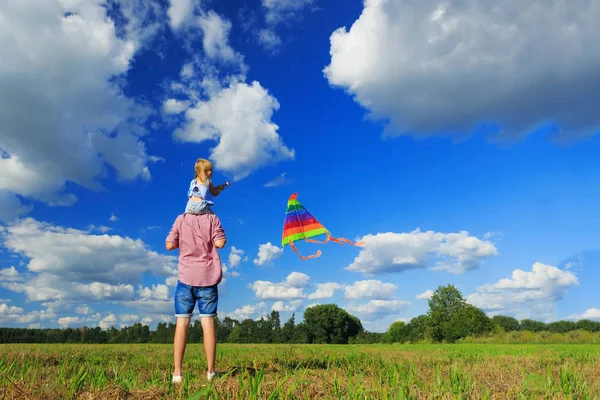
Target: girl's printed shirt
[{"x": 201, "y": 190}]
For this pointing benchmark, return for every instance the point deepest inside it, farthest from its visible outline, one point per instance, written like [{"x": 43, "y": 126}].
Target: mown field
[{"x": 462, "y": 371}]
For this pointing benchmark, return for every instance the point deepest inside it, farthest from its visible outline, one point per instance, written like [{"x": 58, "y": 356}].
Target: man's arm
[
  {"x": 172, "y": 240},
  {"x": 218, "y": 233}
]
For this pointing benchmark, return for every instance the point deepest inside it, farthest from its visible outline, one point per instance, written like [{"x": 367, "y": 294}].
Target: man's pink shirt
[{"x": 199, "y": 260}]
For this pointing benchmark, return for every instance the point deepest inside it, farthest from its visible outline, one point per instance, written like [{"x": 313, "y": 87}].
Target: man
[{"x": 199, "y": 272}]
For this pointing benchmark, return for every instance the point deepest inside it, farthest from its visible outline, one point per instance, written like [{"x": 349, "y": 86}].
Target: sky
[{"x": 458, "y": 140}]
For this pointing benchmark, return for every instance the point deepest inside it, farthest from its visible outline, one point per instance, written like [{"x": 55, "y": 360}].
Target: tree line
[{"x": 449, "y": 319}]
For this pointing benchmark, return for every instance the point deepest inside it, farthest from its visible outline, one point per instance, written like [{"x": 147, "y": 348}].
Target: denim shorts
[{"x": 186, "y": 297}]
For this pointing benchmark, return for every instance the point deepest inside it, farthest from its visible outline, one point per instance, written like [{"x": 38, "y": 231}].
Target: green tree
[
  {"x": 397, "y": 332},
  {"x": 443, "y": 305},
  {"x": 468, "y": 321},
  {"x": 366, "y": 337},
  {"x": 288, "y": 330},
  {"x": 533, "y": 326},
  {"x": 276, "y": 331},
  {"x": 587, "y": 325},
  {"x": 330, "y": 324},
  {"x": 302, "y": 334},
  {"x": 417, "y": 328},
  {"x": 224, "y": 329},
  {"x": 508, "y": 324},
  {"x": 195, "y": 332},
  {"x": 163, "y": 333},
  {"x": 263, "y": 332},
  {"x": 245, "y": 332},
  {"x": 562, "y": 326}
]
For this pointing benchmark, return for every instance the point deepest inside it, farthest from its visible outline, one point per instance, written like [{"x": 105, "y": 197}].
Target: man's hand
[
  {"x": 170, "y": 246},
  {"x": 220, "y": 243}
]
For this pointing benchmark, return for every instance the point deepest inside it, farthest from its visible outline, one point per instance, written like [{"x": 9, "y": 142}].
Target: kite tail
[
  {"x": 304, "y": 257},
  {"x": 343, "y": 240},
  {"x": 336, "y": 240}
]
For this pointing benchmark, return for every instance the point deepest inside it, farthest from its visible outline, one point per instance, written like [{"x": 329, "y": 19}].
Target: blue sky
[{"x": 454, "y": 141}]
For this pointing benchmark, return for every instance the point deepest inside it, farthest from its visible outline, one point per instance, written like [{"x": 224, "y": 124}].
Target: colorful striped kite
[{"x": 300, "y": 224}]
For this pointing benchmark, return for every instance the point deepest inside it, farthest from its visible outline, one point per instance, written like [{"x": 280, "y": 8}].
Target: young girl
[{"x": 201, "y": 191}]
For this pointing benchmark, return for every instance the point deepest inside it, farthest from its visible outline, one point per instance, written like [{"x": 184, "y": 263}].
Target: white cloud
[
  {"x": 153, "y": 306},
  {"x": 104, "y": 229},
  {"x": 108, "y": 321},
  {"x": 291, "y": 306},
  {"x": 247, "y": 312},
  {"x": 297, "y": 279},
  {"x": 11, "y": 207},
  {"x": 13, "y": 314},
  {"x": 9, "y": 274},
  {"x": 145, "y": 19},
  {"x": 370, "y": 289},
  {"x": 235, "y": 274},
  {"x": 277, "y": 11},
  {"x": 128, "y": 318},
  {"x": 172, "y": 281},
  {"x": 267, "y": 253},
  {"x": 238, "y": 117},
  {"x": 426, "y": 295},
  {"x": 181, "y": 12},
  {"x": 65, "y": 322},
  {"x": 397, "y": 252},
  {"x": 8, "y": 310},
  {"x": 525, "y": 294},
  {"x": 83, "y": 310},
  {"x": 463, "y": 252},
  {"x": 47, "y": 287},
  {"x": 291, "y": 288},
  {"x": 430, "y": 68},
  {"x": 378, "y": 308},
  {"x": 325, "y": 290},
  {"x": 279, "y": 181},
  {"x": 590, "y": 313},
  {"x": 235, "y": 256},
  {"x": 51, "y": 132},
  {"x": 76, "y": 255},
  {"x": 156, "y": 292},
  {"x": 113, "y": 218},
  {"x": 223, "y": 108},
  {"x": 215, "y": 39},
  {"x": 174, "y": 106},
  {"x": 269, "y": 39}
]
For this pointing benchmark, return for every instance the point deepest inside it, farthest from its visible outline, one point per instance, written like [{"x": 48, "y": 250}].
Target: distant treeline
[{"x": 450, "y": 319}]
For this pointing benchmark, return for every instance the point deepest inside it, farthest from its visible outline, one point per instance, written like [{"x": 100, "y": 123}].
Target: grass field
[{"x": 463, "y": 371}]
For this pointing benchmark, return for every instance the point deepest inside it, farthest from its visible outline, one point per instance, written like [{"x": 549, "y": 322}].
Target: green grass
[{"x": 462, "y": 371}]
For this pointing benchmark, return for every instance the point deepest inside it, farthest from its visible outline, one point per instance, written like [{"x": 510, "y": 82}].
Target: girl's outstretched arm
[{"x": 216, "y": 190}]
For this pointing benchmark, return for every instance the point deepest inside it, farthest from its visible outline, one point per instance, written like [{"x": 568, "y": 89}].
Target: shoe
[
  {"x": 210, "y": 375},
  {"x": 177, "y": 379}
]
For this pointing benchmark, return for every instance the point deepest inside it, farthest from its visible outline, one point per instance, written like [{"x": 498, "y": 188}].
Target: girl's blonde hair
[{"x": 200, "y": 169}]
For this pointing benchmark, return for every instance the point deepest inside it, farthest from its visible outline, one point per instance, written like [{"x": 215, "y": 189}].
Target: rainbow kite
[{"x": 300, "y": 224}]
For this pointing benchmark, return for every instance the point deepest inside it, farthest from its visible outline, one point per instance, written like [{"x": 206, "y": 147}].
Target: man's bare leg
[
  {"x": 210, "y": 342},
  {"x": 179, "y": 343}
]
